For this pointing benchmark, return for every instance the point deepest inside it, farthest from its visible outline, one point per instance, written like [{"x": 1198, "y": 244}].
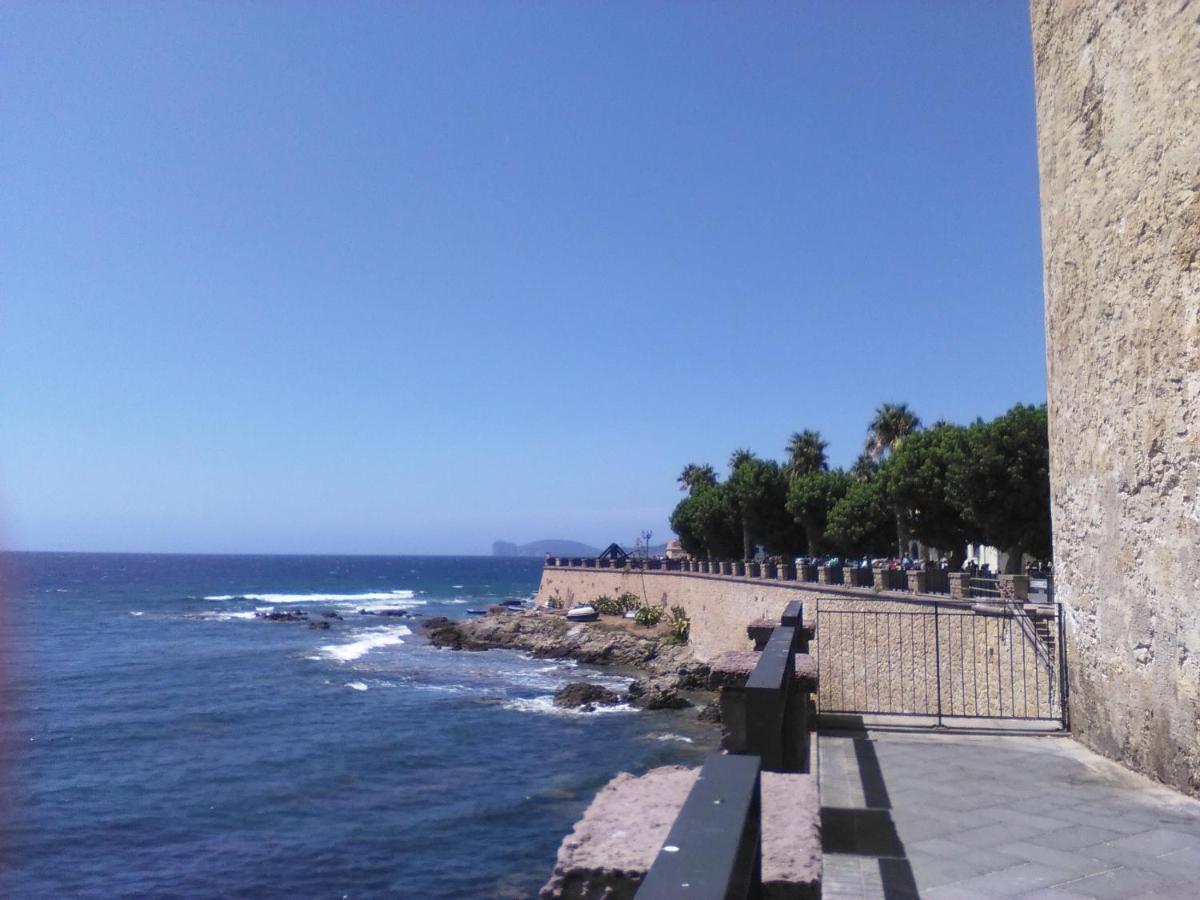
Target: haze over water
[{"x": 166, "y": 741}]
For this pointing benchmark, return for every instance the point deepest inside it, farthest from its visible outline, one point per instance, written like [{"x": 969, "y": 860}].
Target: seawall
[{"x": 719, "y": 607}]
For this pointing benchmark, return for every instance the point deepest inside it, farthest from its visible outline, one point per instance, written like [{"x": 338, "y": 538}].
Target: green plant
[
  {"x": 628, "y": 602},
  {"x": 553, "y": 603},
  {"x": 679, "y": 624},
  {"x": 648, "y": 616},
  {"x": 607, "y": 606}
]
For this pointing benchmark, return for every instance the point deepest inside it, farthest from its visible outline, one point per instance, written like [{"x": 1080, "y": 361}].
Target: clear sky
[{"x": 411, "y": 277}]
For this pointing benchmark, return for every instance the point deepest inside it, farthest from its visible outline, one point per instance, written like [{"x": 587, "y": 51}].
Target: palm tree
[
  {"x": 694, "y": 475},
  {"x": 739, "y": 456},
  {"x": 892, "y": 423},
  {"x": 806, "y": 453},
  {"x": 864, "y": 467}
]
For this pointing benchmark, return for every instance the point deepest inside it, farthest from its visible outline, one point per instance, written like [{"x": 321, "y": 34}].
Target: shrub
[
  {"x": 680, "y": 624},
  {"x": 553, "y": 603},
  {"x": 628, "y": 602},
  {"x": 606, "y": 606},
  {"x": 648, "y": 616}
]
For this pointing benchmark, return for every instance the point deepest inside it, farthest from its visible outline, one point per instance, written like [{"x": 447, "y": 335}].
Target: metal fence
[{"x": 942, "y": 661}]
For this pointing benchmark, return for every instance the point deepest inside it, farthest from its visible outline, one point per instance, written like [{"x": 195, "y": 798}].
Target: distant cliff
[{"x": 541, "y": 548}]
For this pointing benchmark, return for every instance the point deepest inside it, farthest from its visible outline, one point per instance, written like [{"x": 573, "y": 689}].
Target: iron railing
[{"x": 942, "y": 661}]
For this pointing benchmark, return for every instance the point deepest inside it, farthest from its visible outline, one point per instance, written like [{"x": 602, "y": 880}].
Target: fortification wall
[
  {"x": 719, "y": 608},
  {"x": 1118, "y": 111}
]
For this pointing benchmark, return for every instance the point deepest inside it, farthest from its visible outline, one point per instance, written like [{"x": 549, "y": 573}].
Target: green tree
[
  {"x": 756, "y": 490},
  {"x": 864, "y": 467},
  {"x": 694, "y": 475},
  {"x": 811, "y": 497},
  {"x": 705, "y": 524},
  {"x": 917, "y": 477},
  {"x": 861, "y": 521},
  {"x": 806, "y": 453},
  {"x": 892, "y": 424},
  {"x": 1001, "y": 483}
]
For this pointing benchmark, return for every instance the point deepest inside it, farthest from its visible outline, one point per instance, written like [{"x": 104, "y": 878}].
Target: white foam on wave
[
  {"x": 544, "y": 705},
  {"x": 457, "y": 587},
  {"x": 356, "y": 685},
  {"x": 366, "y": 641},
  {"x": 224, "y": 616},
  {"x": 393, "y": 597},
  {"x": 674, "y": 737}
]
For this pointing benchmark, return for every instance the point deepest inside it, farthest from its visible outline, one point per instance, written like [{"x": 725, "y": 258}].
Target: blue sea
[{"x": 159, "y": 740}]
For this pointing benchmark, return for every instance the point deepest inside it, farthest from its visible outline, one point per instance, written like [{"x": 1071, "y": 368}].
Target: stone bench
[{"x": 609, "y": 851}]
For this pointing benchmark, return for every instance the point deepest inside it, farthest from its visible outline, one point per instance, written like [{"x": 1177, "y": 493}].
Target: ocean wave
[
  {"x": 365, "y": 643},
  {"x": 136, "y": 612},
  {"x": 356, "y": 685},
  {"x": 393, "y": 597},
  {"x": 674, "y": 737},
  {"x": 544, "y": 705}
]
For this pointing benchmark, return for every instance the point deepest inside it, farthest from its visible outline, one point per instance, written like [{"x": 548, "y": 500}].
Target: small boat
[
  {"x": 585, "y": 613},
  {"x": 476, "y": 612}
]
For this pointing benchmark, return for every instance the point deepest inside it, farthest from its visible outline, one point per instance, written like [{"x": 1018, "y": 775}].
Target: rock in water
[
  {"x": 657, "y": 692},
  {"x": 580, "y": 694}
]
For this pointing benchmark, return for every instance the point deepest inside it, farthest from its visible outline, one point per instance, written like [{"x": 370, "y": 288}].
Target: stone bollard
[
  {"x": 960, "y": 585},
  {"x": 752, "y": 569},
  {"x": 786, "y": 572},
  {"x": 829, "y": 575},
  {"x": 1014, "y": 587},
  {"x": 767, "y": 569},
  {"x": 880, "y": 575},
  {"x": 853, "y": 576},
  {"x": 739, "y": 568},
  {"x": 918, "y": 581}
]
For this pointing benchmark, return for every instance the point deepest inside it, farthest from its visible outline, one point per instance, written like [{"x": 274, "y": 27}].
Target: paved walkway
[{"x": 950, "y": 816}]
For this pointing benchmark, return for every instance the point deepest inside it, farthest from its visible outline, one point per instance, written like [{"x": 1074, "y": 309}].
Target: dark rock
[
  {"x": 332, "y": 615},
  {"x": 657, "y": 692},
  {"x": 322, "y": 624},
  {"x": 287, "y": 615},
  {"x": 711, "y": 712},
  {"x": 584, "y": 695}
]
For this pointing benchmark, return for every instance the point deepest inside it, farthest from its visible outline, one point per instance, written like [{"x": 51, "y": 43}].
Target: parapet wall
[
  {"x": 1118, "y": 114},
  {"x": 719, "y": 608}
]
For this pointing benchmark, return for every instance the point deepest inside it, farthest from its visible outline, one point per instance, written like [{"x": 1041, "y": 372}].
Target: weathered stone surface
[
  {"x": 657, "y": 692},
  {"x": 1118, "y": 110},
  {"x": 554, "y": 637},
  {"x": 609, "y": 851},
  {"x": 580, "y": 694},
  {"x": 719, "y": 607}
]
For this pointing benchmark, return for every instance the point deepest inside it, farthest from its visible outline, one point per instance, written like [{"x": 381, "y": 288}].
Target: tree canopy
[{"x": 948, "y": 485}]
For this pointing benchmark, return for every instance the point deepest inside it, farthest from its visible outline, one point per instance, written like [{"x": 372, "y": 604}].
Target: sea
[{"x": 160, "y": 739}]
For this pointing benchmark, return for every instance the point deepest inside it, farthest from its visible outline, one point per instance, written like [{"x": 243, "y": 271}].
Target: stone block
[
  {"x": 610, "y": 849},
  {"x": 918, "y": 581},
  {"x": 1014, "y": 587}
]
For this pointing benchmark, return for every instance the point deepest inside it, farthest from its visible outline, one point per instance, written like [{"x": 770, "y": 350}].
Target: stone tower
[{"x": 1118, "y": 110}]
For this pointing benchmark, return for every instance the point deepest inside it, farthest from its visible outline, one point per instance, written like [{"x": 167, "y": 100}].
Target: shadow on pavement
[{"x": 869, "y": 832}]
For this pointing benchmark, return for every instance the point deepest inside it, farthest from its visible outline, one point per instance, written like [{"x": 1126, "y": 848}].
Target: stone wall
[
  {"x": 1118, "y": 113},
  {"x": 719, "y": 608},
  {"x": 880, "y": 650}
]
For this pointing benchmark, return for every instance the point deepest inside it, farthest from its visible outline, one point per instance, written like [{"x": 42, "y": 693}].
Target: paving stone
[
  {"x": 1121, "y": 883},
  {"x": 1072, "y": 837},
  {"x": 1076, "y": 864},
  {"x": 1016, "y": 880}
]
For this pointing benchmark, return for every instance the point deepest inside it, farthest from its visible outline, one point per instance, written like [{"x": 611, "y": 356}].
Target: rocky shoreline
[{"x": 665, "y": 670}]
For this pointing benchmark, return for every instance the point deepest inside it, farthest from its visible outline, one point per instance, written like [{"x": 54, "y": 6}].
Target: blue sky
[{"x": 408, "y": 278}]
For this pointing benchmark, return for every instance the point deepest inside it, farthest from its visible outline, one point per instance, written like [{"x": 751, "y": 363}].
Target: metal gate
[{"x": 942, "y": 660}]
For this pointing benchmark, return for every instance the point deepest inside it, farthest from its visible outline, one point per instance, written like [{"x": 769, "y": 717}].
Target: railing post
[{"x": 937, "y": 650}]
